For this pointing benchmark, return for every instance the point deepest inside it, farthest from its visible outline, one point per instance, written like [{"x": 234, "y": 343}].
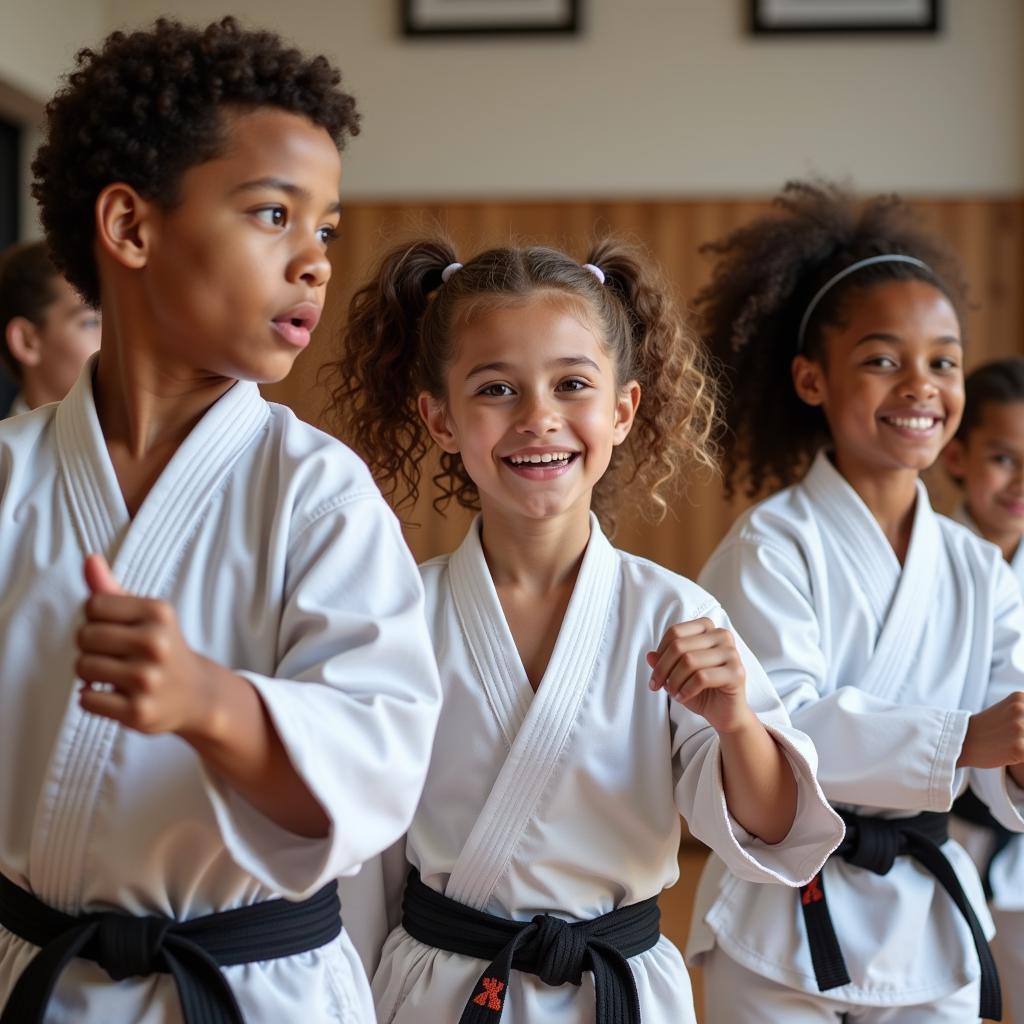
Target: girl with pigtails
[
  {"x": 590, "y": 696},
  {"x": 892, "y": 635}
]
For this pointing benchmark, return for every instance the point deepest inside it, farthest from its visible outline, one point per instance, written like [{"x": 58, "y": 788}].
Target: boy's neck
[
  {"x": 891, "y": 497},
  {"x": 146, "y": 408},
  {"x": 34, "y": 392}
]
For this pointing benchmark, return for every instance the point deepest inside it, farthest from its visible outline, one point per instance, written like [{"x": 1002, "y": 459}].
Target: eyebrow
[
  {"x": 500, "y": 367},
  {"x": 282, "y": 185},
  {"x": 895, "y": 339}
]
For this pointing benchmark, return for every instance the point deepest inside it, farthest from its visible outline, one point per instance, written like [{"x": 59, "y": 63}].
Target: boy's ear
[
  {"x": 23, "y": 341},
  {"x": 123, "y": 220},
  {"x": 808, "y": 380},
  {"x": 434, "y": 414},
  {"x": 954, "y": 457},
  {"x": 626, "y": 405}
]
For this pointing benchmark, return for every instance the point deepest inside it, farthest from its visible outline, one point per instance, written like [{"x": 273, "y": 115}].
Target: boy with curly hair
[{"x": 234, "y": 702}]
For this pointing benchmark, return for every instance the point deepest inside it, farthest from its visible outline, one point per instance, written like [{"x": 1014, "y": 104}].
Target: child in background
[
  {"x": 47, "y": 331},
  {"x": 892, "y": 635},
  {"x": 986, "y": 458},
  {"x": 234, "y": 702},
  {"x": 590, "y": 696}
]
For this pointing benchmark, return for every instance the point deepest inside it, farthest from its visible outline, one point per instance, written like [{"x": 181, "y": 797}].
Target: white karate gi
[
  {"x": 567, "y": 801},
  {"x": 18, "y": 406},
  {"x": 1007, "y": 904},
  {"x": 882, "y": 668},
  {"x": 283, "y": 563}
]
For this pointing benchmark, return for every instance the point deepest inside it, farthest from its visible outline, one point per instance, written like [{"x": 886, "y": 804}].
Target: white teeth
[
  {"x": 520, "y": 460},
  {"x": 913, "y": 422}
]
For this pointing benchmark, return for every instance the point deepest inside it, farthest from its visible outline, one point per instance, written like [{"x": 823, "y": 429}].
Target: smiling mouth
[
  {"x": 560, "y": 458},
  {"x": 917, "y": 424}
]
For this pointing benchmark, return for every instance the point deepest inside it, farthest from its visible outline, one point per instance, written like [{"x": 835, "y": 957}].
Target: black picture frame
[
  {"x": 926, "y": 20},
  {"x": 479, "y": 19}
]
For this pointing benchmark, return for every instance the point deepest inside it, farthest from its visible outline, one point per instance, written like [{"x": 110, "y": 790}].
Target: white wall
[{"x": 656, "y": 97}]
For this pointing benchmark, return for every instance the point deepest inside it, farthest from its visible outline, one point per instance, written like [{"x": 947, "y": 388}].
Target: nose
[
  {"x": 536, "y": 416},
  {"x": 310, "y": 265},
  {"x": 918, "y": 384}
]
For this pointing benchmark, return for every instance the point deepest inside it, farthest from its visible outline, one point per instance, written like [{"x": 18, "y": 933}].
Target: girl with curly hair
[
  {"x": 892, "y": 635},
  {"x": 590, "y": 696}
]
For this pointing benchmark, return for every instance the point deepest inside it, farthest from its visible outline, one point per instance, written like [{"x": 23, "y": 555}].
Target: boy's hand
[
  {"x": 697, "y": 664},
  {"x": 134, "y": 662}
]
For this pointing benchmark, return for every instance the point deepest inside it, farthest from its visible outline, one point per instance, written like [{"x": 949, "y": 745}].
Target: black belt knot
[
  {"x": 192, "y": 952},
  {"x": 128, "y": 947},
  {"x": 874, "y": 844},
  {"x": 871, "y": 845},
  {"x": 556, "y": 951},
  {"x": 560, "y": 950}
]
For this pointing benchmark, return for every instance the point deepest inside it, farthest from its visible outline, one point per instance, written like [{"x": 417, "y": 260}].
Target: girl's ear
[
  {"x": 626, "y": 406},
  {"x": 124, "y": 225},
  {"x": 954, "y": 457},
  {"x": 809, "y": 380},
  {"x": 23, "y": 341},
  {"x": 434, "y": 414}
]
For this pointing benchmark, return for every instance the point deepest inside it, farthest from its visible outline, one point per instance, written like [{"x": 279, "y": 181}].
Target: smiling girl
[
  {"x": 892, "y": 635},
  {"x": 590, "y": 696}
]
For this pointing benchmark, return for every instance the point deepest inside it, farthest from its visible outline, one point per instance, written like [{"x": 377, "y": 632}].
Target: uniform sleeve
[
  {"x": 872, "y": 752},
  {"x": 700, "y": 794},
  {"x": 355, "y": 700},
  {"x": 995, "y": 786}
]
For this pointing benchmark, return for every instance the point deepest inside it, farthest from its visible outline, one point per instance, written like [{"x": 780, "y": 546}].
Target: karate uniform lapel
[
  {"x": 537, "y": 726},
  {"x": 144, "y": 554},
  {"x": 900, "y": 597}
]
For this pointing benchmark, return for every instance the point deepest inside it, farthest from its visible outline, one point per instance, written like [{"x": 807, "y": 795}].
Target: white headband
[{"x": 852, "y": 268}]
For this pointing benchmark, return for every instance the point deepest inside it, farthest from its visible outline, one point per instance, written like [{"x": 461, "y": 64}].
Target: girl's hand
[
  {"x": 697, "y": 664},
  {"x": 995, "y": 738},
  {"x": 134, "y": 662}
]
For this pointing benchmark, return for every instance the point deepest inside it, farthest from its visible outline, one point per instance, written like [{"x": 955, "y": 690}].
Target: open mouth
[
  {"x": 296, "y": 325},
  {"x": 913, "y": 424},
  {"x": 541, "y": 465}
]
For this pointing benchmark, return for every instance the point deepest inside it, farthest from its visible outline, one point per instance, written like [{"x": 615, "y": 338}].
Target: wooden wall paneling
[{"x": 987, "y": 233}]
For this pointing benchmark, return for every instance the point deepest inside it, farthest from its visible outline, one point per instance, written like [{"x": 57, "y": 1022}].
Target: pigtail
[
  {"x": 374, "y": 384},
  {"x": 676, "y": 420}
]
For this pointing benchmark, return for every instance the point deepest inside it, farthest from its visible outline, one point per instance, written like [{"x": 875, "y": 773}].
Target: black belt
[
  {"x": 557, "y": 951},
  {"x": 192, "y": 951},
  {"x": 874, "y": 844},
  {"x": 972, "y": 810}
]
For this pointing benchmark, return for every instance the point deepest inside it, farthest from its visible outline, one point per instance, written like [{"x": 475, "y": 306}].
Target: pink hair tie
[
  {"x": 448, "y": 271},
  {"x": 595, "y": 270}
]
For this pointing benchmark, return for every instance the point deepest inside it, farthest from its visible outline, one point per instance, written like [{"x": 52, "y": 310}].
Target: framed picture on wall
[
  {"x": 486, "y": 17},
  {"x": 787, "y": 16}
]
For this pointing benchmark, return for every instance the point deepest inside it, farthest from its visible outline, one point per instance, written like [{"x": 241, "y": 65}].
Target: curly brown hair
[
  {"x": 765, "y": 275},
  {"x": 147, "y": 106},
  {"x": 398, "y": 342}
]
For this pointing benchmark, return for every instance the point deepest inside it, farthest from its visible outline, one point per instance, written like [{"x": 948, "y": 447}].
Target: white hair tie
[
  {"x": 448, "y": 271},
  {"x": 595, "y": 270}
]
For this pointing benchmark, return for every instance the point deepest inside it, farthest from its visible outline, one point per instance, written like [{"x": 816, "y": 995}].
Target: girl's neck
[
  {"x": 535, "y": 555},
  {"x": 1007, "y": 542},
  {"x": 891, "y": 498}
]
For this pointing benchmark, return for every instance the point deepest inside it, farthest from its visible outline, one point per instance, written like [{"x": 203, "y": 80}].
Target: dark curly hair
[
  {"x": 766, "y": 274},
  {"x": 147, "y": 106},
  {"x": 28, "y": 281},
  {"x": 398, "y": 342},
  {"x": 1000, "y": 382}
]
